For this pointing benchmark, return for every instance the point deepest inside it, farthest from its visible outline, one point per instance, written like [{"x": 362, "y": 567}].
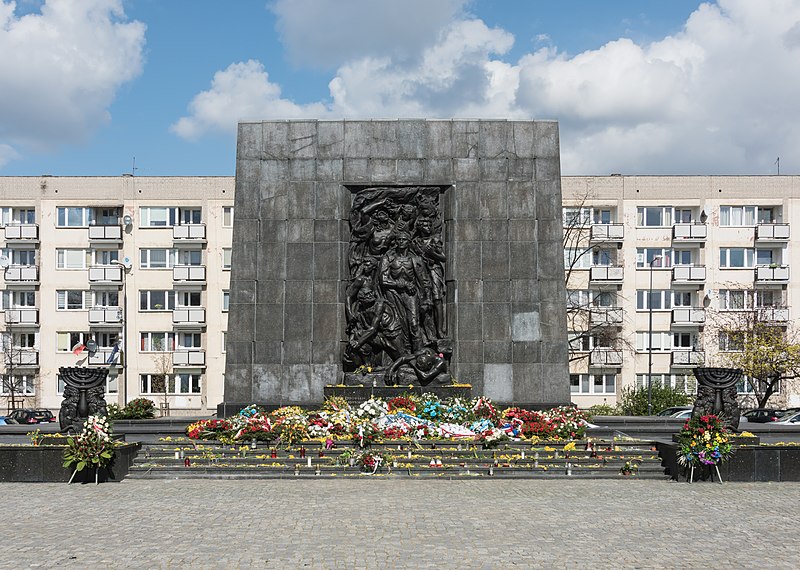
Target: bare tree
[
  {"x": 163, "y": 368},
  {"x": 13, "y": 384}
]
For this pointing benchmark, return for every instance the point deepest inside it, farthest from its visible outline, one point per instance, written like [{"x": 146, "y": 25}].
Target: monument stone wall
[{"x": 500, "y": 202}]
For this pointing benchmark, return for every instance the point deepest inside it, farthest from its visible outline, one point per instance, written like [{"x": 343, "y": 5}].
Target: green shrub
[
  {"x": 603, "y": 410},
  {"x": 634, "y": 399},
  {"x": 139, "y": 409},
  {"x": 115, "y": 412}
]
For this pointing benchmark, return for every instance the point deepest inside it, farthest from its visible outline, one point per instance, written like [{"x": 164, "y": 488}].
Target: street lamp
[
  {"x": 124, "y": 267},
  {"x": 650, "y": 338}
]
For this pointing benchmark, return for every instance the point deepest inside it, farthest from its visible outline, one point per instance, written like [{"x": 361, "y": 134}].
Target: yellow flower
[{"x": 570, "y": 446}]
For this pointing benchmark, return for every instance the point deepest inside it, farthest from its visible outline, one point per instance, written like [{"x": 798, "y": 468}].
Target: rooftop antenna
[
  {"x": 134, "y": 169},
  {"x": 778, "y": 162}
]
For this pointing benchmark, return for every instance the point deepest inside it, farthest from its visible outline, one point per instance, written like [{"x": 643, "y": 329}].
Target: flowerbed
[{"x": 407, "y": 417}]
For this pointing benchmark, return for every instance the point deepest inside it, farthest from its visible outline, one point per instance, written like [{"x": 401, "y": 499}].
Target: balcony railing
[
  {"x": 105, "y": 274},
  {"x": 191, "y": 273},
  {"x": 770, "y": 274},
  {"x": 22, "y": 232},
  {"x": 190, "y": 358},
  {"x": 24, "y": 357},
  {"x": 605, "y": 315},
  {"x": 688, "y": 274},
  {"x": 772, "y": 232},
  {"x": 189, "y": 232},
  {"x": 688, "y": 357},
  {"x": 101, "y": 357},
  {"x": 23, "y": 316},
  {"x": 605, "y": 357},
  {"x": 774, "y": 314},
  {"x": 22, "y": 274},
  {"x": 607, "y": 232},
  {"x": 105, "y": 315},
  {"x": 105, "y": 233},
  {"x": 607, "y": 273},
  {"x": 691, "y": 316},
  {"x": 689, "y": 232},
  {"x": 189, "y": 316}
]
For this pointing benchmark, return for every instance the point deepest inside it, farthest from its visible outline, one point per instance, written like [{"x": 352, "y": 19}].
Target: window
[
  {"x": 189, "y": 257},
  {"x": 224, "y": 340},
  {"x": 662, "y": 341},
  {"x": 654, "y": 216},
  {"x": 748, "y": 215},
  {"x": 190, "y": 216},
  {"x": 226, "y": 299},
  {"x": 104, "y": 256},
  {"x": 603, "y": 257},
  {"x": 71, "y": 258},
  {"x": 593, "y": 383},
  {"x": 730, "y": 341},
  {"x": 682, "y": 299},
  {"x": 174, "y": 384},
  {"x": 18, "y": 299},
  {"x": 682, "y": 257},
  {"x": 156, "y": 216},
  {"x": 156, "y": 258},
  {"x": 736, "y": 257},
  {"x": 21, "y": 384},
  {"x": 188, "y": 299},
  {"x": 17, "y": 216},
  {"x": 66, "y": 341},
  {"x": 577, "y": 258},
  {"x": 576, "y": 217},
  {"x": 684, "y": 341},
  {"x": 106, "y": 298},
  {"x": 188, "y": 341},
  {"x": 155, "y": 300},
  {"x": 73, "y": 300},
  {"x": 685, "y": 383},
  {"x": 74, "y": 217},
  {"x": 20, "y": 256},
  {"x": 603, "y": 216},
  {"x": 107, "y": 216},
  {"x": 768, "y": 299},
  {"x": 661, "y": 300},
  {"x": 20, "y": 341},
  {"x": 226, "y": 258},
  {"x": 659, "y": 257},
  {"x": 156, "y": 342},
  {"x": 106, "y": 339},
  {"x": 734, "y": 299},
  {"x": 603, "y": 298},
  {"x": 583, "y": 342},
  {"x": 227, "y": 216},
  {"x": 683, "y": 216}
]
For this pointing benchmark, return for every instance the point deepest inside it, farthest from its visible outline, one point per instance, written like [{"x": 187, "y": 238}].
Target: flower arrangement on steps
[
  {"x": 93, "y": 448},
  {"x": 407, "y": 417},
  {"x": 704, "y": 442}
]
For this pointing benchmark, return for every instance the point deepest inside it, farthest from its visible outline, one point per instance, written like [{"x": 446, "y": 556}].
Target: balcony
[
  {"x": 105, "y": 274},
  {"x": 28, "y": 316},
  {"x": 24, "y": 358},
  {"x": 688, "y": 358},
  {"x": 105, "y": 316},
  {"x": 774, "y": 314},
  {"x": 22, "y": 274},
  {"x": 772, "y": 274},
  {"x": 193, "y": 274},
  {"x": 772, "y": 232},
  {"x": 688, "y": 274},
  {"x": 688, "y": 316},
  {"x": 605, "y": 315},
  {"x": 22, "y": 233},
  {"x": 606, "y": 274},
  {"x": 689, "y": 232},
  {"x": 188, "y": 358},
  {"x": 101, "y": 357},
  {"x": 194, "y": 233},
  {"x": 607, "y": 232},
  {"x": 189, "y": 317},
  {"x": 105, "y": 233},
  {"x": 604, "y": 357}
]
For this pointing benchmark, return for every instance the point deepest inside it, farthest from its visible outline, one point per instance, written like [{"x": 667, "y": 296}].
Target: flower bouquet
[
  {"x": 208, "y": 429},
  {"x": 93, "y": 448},
  {"x": 370, "y": 462},
  {"x": 704, "y": 442}
]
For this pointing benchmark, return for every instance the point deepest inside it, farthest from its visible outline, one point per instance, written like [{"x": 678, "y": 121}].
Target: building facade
[
  {"x": 658, "y": 266},
  {"x": 126, "y": 272},
  {"x": 133, "y": 273}
]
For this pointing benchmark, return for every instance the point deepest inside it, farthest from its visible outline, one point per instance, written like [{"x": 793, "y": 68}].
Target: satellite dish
[
  {"x": 4, "y": 261},
  {"x": 127, "y": 219},
  {"x": 127, "y": 262},
  {"x": 91, "y": 347}
]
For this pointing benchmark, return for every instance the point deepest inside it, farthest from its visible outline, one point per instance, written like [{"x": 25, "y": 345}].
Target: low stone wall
[
  {"x": 747, "y": 464},
  {"x": 44, "y": 463}
]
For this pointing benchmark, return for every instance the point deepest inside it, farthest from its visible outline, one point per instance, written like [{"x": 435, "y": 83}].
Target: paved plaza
[{"x": 400, "y": 524}]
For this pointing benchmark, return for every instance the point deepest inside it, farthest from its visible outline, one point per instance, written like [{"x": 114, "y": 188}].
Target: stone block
[
  {"x": 297, "y": 352},
  {"x": 466, "y": 169},
  {"x": 323, "y": 375},
  {"x": 495, "y": 260},
  {"x": 412, "y": 139},
  {"x": 247, "y": 256},
  {"x": 522, "y": 230},
  {"x": 494, "y": 138},
  {"x": 439, "y": 171},
  {"x": 494, "y": 200},
  {"x": 275, "y": 136},
  {"x": 411, "y": 171},
  {"x": 470, "y": 290},
  {"x": 545, "y": 139},
  {"x": 497, "y": 291},
  {"x": 547, "y": 169},
  {"x": 326, "y": 261},
  {"x": 555, "y": 383},
  {"x": 465, "y": 230},
  {"x": 239, "y": 382},
  {"x": 470, "y": 319},
  {"x": 271, "y": 261},
  {"x": 767, "y": 465},
  {"x": 498, "y": 382},
  {"x": 267, "y": 352},
  {"x": 247, "y": 200},
  {"x": 356, "y": 169},
  {"x": 328, "y": 201},
  {"x": 465, "y": 139},
  {"x": 470, "y": 373},
  {"x": 528, "y": 382},
  {"x": 248, "y": 142},
  {"x": 299, "y": 291},
  {"x": 243, "y": 291},
  {"x": 299, "y": 383},
  {"x": 439, "y": 140},
  {"x": 303, "y": 169},
  {"x": 270, "y": 292},
  {"x": 525, "y": 326},
  {"x": 548, "y": 205},
  {"x": 299, "y": 261},
  {"x": 496, "y": 321},
  {"x": 523, "y": 259},
  {"x": 357, "y": 140},
  {"x": 493, "y": 230},
  {"x": 790, "y": 464},
  {"x": 330, "y": 169},
  {"x": 383, "y": 139},
  {"x": 468, "y": 351},
  {"x": 524, "y": 290},
  {"x": 325, "y": 351},
  {"x": 298, "y": 321},
  {"x": 467, "y": 201},
  {"x": 302, "y": 139},
  {"x": 326, "y": 291},
  {"x": 268, "y": 323},
  {"x": 239, "y": 351},
  {"x": 554, "y": 352},
  {"x": 270, "y": 230},
  {"x": 326, "y": 321},
  {"x": 382, "y": 170},
  {"x": 523, "y": 135},
  {"x": 550, "y": 258},
  {"x": 521, "y": 169},
  {"x": 327, "y": 230},
  {"x": 521, "y": 200},
  {"x": 266, "y": 382},
  {"x": 467, "y": 260},
  {"x": 276, "y": 207},
  {"x": 301, "y": 200},
  {"x": 494, "y": 169},
  {"x": 526, "y": 352},
  {"x": 273, "y": 172},
  {"x": 330, "y": 139},
  {"x": 300, "y": 231},
  {"x": 496, "y": 352}
]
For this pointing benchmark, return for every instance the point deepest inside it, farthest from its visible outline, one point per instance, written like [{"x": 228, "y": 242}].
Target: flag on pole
[
  {"x": 78, "y": 348},
  {"x": 113, "y": 355}
]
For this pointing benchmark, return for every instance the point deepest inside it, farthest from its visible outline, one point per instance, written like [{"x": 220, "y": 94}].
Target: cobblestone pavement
[{"x": 400, "y": 524}]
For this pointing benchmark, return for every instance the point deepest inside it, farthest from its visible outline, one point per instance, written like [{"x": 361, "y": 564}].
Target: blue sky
[{"x": 638, "y": 86}]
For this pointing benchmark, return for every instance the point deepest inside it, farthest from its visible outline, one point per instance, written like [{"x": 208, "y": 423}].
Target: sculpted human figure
[
  {"x": 406, "y": 286},
  {"x": 370, "y": 228},
  {"x": 430, "y": 248},
  {"x": 427, "y": 366},
  {"x": 364, "y": 277},
  {"x": 375, "y": 328}
]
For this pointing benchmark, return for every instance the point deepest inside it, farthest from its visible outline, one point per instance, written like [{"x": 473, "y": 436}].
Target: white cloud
[
  {"x": 241, "y": 91},
  {"x": 7, "y": 154},
  {"x": 328, "y": 33},
  {"x": 61, "y": 68}
]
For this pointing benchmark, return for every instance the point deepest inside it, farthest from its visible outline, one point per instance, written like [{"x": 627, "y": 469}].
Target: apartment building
[
  {"x": 707, "y": 247},
  {"x": 126, "y": 272}
]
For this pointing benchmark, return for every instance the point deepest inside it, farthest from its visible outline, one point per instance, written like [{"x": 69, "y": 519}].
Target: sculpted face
[
  {"x": 407, "y": 211},
  {"x": 402, "y": 240},
  {"x": 381, "y": 216},
  {"x": 424, "y": 226},
  {"x": 366, "y": 296}
]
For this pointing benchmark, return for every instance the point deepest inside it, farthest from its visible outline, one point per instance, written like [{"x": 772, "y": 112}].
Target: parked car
[
  {"x": 683, "y": 414},
  {"x": 672, "y": 410},
  {"x": 2, "y": 420},
  {"x": 792, "y": 418},
  {"x": 762, "y": 415},
  {"x": 30, "y": 416}
]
